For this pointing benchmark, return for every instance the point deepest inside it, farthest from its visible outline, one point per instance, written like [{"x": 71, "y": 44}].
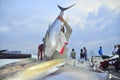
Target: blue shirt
[{"x": 100, "y": 52}]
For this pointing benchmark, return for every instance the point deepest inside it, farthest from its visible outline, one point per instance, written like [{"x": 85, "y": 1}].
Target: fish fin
[{"x": 62, "y": 50}]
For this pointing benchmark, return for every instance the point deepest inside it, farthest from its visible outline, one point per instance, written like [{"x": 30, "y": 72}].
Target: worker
[
  {"x": 85, "y": 53},
  {"x": 118, "y": 51},
  {"x": 100, "y": 51},
  {"x": 41, "y": 51},
  {"x": 67, "y": 27},
  {"x": 114, "y": 50},
  {"x": 82, "y": 55},
  {"x": 73, "y": 54}
]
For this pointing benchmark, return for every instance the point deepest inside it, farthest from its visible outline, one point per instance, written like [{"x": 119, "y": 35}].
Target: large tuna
[{"x": 53, "y": 34}]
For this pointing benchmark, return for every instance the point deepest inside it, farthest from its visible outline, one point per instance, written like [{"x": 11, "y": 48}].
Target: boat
[{"x": 4, "y": 54}]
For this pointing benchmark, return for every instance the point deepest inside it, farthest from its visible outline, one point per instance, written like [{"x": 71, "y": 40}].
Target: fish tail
[{"x": 63, "y": 9}]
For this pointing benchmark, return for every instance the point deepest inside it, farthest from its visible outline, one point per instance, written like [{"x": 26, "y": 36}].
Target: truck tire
[
  {"x": 117, "y": 65},
  {"x": 105, "y": 66}
]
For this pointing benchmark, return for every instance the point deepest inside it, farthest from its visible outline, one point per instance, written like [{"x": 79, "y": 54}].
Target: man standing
[
  {"x": 85, "y": 52},
  {"x": 118, "y": 51},
  {"x": 73, "y": 54},
  {"x": 41, "y": 50},
  {"x": 114, "y": 50},
  {"x": 82, "y": 55},
  {"x": 100, "y": 51}
]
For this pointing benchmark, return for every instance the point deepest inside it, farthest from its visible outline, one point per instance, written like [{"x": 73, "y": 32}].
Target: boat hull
[{"x": 14, "y": 56}]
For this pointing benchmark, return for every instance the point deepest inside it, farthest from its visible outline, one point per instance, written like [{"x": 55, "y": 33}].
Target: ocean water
[{"x": 8, "y": 61}]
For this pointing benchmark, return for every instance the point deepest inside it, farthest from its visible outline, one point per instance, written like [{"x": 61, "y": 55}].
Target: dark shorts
[
  {"x": 73, "y": 57},
  {"x": 82, "y": 56}
]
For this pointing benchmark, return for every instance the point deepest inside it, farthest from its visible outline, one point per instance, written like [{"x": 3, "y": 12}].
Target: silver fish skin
[{"x": 53, "y": 34}]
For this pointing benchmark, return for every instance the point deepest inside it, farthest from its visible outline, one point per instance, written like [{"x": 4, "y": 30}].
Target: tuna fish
[{"x": 53, "y": 34}]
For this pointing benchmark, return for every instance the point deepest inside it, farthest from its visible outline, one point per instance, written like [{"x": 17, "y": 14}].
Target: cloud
[
  {"x": 83, "y": 8},
  {"x": 105, "y": 18},
  {"x": 3, "y": 27},
  {"x": 88, "y": 6}
]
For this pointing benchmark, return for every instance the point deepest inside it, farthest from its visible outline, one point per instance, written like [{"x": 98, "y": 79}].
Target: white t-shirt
[{"x": 114, "y": 50}]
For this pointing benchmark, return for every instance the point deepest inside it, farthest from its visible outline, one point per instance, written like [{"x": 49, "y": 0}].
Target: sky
[{"x": 95, "y": 23}]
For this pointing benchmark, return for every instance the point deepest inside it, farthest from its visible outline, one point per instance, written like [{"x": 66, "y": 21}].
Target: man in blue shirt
[{"x": 100, "y": 51}]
